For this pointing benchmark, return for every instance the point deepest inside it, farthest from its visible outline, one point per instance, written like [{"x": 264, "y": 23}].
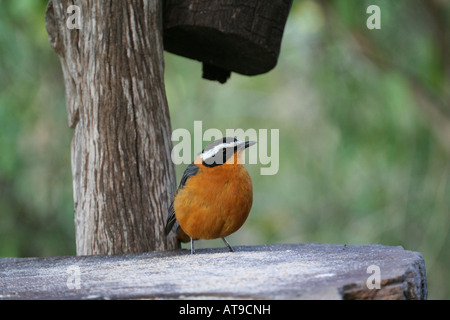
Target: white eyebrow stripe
[{"x": 210, "y": 153}]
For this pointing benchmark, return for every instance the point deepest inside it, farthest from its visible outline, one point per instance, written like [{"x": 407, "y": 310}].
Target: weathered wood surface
[{"x": 298, "y": 271}]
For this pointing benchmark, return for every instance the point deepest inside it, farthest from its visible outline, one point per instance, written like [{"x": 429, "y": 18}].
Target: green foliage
[
  {"x": 35, "y": 177},
  {"x": 363, "y": 156}
]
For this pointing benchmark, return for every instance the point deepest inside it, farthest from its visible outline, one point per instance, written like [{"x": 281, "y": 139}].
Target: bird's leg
[
  {"x": 192, "y": 246},
  {"x": 228, "y": 245}
]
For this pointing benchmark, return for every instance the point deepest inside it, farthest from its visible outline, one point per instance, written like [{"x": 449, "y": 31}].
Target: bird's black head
[{"x": 219, "y": 151}]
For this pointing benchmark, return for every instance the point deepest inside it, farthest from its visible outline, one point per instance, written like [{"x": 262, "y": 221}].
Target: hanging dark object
[{"x": 227, "y": 36}]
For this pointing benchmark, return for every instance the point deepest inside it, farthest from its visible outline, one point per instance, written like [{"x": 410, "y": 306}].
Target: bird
[{"x": 215, "y": 194}]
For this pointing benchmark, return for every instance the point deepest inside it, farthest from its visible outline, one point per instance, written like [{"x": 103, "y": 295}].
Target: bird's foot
[
  {"x": 192, "y": 246},
  {"x": 228, "y": 245}
]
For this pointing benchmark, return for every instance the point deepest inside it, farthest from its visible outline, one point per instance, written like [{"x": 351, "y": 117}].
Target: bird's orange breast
[{"x": 215, "y": 202}]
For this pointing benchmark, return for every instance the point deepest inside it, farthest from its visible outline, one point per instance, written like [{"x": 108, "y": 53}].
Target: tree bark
[
  {"x": 226, "y": 35},
  {"x": 123, "y": 177}
]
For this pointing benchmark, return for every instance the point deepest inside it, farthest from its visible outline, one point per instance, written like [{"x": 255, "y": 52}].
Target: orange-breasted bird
[{"x": 215, "y": 194}]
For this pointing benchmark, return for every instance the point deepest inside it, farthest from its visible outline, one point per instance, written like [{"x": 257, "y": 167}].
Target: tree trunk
[{"x": 123, "y": 177}]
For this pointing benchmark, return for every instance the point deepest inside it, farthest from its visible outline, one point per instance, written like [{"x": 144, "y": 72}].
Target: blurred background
[{"x": 364, "y": 122}]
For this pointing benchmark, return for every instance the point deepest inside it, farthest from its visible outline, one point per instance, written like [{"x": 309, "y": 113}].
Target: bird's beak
[
  {"x": 249, "y": 144},
  {"x": 244, "y": 145}
]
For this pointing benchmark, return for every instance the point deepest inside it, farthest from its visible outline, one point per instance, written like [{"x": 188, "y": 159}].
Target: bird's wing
[
  {"x": 170, "y": 220},
  {"x": 190, "y": 171}
]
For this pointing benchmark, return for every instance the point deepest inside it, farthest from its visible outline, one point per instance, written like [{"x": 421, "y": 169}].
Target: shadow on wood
[{"x": 296, "y": 271}]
